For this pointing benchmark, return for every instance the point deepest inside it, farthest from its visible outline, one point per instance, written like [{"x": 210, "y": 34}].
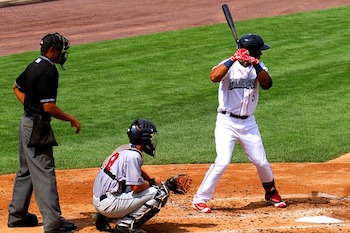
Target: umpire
[{"x": 36, "y": 88}]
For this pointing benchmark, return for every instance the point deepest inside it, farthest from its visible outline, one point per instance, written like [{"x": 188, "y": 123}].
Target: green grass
[{"x": 164, "y": 77}]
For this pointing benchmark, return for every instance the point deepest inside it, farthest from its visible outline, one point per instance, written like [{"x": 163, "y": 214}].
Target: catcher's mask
[
  {"x": 58, "y": 42},
  {"x": 253, "y": 43},
  {"x": 144, "y": 132}
]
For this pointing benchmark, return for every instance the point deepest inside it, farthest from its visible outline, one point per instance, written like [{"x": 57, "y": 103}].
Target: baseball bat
[{"x": 230, "y": 23}]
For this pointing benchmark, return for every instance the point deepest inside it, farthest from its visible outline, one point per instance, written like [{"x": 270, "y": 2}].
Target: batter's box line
[
  {"x": 288, "y": 196},
  {"x": 332, "y": 197},
  {"x": 283, "y": 228}
]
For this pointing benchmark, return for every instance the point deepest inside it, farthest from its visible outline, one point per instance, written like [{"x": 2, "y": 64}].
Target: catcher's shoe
[
  {"x": 275, "y": 200},
  {"x": 201, "y": 207},
  {"x": 101, "y": 222},
  {"x": 122, "y": 229}
]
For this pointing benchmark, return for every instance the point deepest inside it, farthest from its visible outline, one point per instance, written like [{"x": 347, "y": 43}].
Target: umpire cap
[{"x": 54, "y": 40}]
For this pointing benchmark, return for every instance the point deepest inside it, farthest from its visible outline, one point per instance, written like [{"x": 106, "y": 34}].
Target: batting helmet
[
  {"x": 143, "y": 132},
  {"x": 253, "y": 43}
]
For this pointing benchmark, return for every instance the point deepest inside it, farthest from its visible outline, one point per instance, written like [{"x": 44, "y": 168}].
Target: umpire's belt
[
  {"x": 234, "y": 115},
  {"x": 36, "y": 117}
]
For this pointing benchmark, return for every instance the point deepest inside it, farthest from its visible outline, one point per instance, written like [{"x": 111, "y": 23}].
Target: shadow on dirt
[
  {"x": 167, "y": 227},
  {"x": 290, "y": 202}
]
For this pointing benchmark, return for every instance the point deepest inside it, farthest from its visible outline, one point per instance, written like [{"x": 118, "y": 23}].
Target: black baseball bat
[{"x": 230, "y": 23}]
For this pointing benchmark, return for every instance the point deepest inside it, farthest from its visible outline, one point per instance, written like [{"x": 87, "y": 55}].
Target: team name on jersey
[{"x": 242, "y": 83}]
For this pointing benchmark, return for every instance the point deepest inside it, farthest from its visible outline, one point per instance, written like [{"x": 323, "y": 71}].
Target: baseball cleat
[
  {"x": 122, "y": 229},
  {"x": 201, "y": 207},
  {"x": 101, "y": 222},
  {"x": 276, "y": 201}
]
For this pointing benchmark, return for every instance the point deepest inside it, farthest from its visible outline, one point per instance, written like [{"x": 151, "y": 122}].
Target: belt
[
  {"x": 34, "y": 116},
  {"x": 234, "y": 115},
  {"x": 29, "y": 115},
  {"x": 104, "y": 196}
]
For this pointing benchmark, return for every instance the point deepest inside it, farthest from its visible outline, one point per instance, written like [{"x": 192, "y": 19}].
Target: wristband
[
  {"x": 258, "y": 68},
  {"x": 228, "y": 63},
  {"x": 151, "y": 182}
]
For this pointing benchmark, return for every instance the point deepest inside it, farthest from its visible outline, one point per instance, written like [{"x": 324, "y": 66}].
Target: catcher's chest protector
[{"x": 115, "y": 154}]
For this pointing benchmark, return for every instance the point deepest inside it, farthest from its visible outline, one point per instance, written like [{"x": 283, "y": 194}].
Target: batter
[{"x": 239, "y": 78}]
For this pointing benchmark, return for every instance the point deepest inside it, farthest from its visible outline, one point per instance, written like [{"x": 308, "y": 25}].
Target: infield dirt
[{"x": 310, "y": 189}]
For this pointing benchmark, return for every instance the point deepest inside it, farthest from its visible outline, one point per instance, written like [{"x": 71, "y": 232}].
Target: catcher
[{"x": 124, "y": 191}]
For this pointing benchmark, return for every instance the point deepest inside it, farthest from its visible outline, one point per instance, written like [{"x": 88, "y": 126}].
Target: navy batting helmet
[
  {"x": 143, "y": 132},
  {"x": 253, "y": 43}
]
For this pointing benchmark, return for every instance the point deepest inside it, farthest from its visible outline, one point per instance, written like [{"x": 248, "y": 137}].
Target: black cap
[{"x": 54, "y": 40}]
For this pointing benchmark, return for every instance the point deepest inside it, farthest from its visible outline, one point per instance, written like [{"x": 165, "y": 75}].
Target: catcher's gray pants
[
  {"x": 36, "y": 172},
  {"x": 128, "y": 206}
]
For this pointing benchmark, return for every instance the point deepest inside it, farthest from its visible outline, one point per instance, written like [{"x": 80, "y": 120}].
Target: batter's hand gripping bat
[{"x": 230, "y": 22}]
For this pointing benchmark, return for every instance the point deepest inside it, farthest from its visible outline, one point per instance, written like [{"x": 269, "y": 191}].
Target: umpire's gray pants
[{"x": 36, "y": 172}]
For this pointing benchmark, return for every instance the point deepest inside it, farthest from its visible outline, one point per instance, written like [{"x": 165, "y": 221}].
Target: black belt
[
  {"x": 235, "y": 116},
  {"x": 33, "y": 116},
  {"x": 104, "y": 196},
  {"x": 29, "y": 115}
]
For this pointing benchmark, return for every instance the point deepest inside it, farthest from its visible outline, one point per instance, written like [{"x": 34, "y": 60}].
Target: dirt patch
[
  {"x": 316, "y": 189},
  {"x": 310, "y": 189}
]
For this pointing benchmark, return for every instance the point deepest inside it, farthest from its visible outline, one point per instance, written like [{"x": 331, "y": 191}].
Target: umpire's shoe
[
  {"x": 29, "y": 221},
  {"x": 121, "y": 229},
  {"x": 67, "y": 227}
]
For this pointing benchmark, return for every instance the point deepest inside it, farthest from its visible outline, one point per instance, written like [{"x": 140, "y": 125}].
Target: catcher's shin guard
[
  {"x": 153, "y": 207},
  {"x": 138, "y": 222}
]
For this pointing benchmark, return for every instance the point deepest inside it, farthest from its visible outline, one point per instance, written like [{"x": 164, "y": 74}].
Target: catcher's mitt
[{"x": 179, "y": 184}]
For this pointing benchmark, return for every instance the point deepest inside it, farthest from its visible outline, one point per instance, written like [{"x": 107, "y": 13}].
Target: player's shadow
[
  {"x": 289, "y": 202},
  {"x": 166, "y": 227},
  {"x": 171, "y": 227},
  {"x": 86, "y": 221}
]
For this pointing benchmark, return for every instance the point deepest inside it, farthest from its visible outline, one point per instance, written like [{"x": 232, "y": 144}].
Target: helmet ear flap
[{"x": 134, "y": 134}]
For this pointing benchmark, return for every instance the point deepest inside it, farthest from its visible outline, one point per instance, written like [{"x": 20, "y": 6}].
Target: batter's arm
[
  {"x": 20, "y": 95},
  {"x": 218, "y": 73},
  {"x": 263, "y": 77}
]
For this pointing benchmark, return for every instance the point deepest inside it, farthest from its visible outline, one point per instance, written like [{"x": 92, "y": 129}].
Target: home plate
[{"x": 319, "y": 219}]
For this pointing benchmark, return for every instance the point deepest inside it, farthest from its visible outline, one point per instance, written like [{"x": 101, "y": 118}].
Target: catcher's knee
[
  {"x": 160, "y": 198},
  {"x": 152, "y": 207}
]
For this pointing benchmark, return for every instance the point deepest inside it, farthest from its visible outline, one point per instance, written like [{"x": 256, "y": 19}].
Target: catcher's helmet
[
  {"x": 253, "y": 43},
  {"x": 143, "y": 132}
]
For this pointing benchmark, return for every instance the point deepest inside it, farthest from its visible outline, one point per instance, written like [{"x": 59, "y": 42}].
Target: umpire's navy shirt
[{"x": 39, "y": 82}]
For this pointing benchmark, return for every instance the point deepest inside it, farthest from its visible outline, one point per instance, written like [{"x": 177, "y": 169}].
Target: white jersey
[
  {"x": 125, "y": 164},
  {"x": 239, "y": 90}
]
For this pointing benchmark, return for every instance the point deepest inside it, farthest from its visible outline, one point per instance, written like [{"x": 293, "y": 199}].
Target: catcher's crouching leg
[{"x": 152, "y": 207}]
